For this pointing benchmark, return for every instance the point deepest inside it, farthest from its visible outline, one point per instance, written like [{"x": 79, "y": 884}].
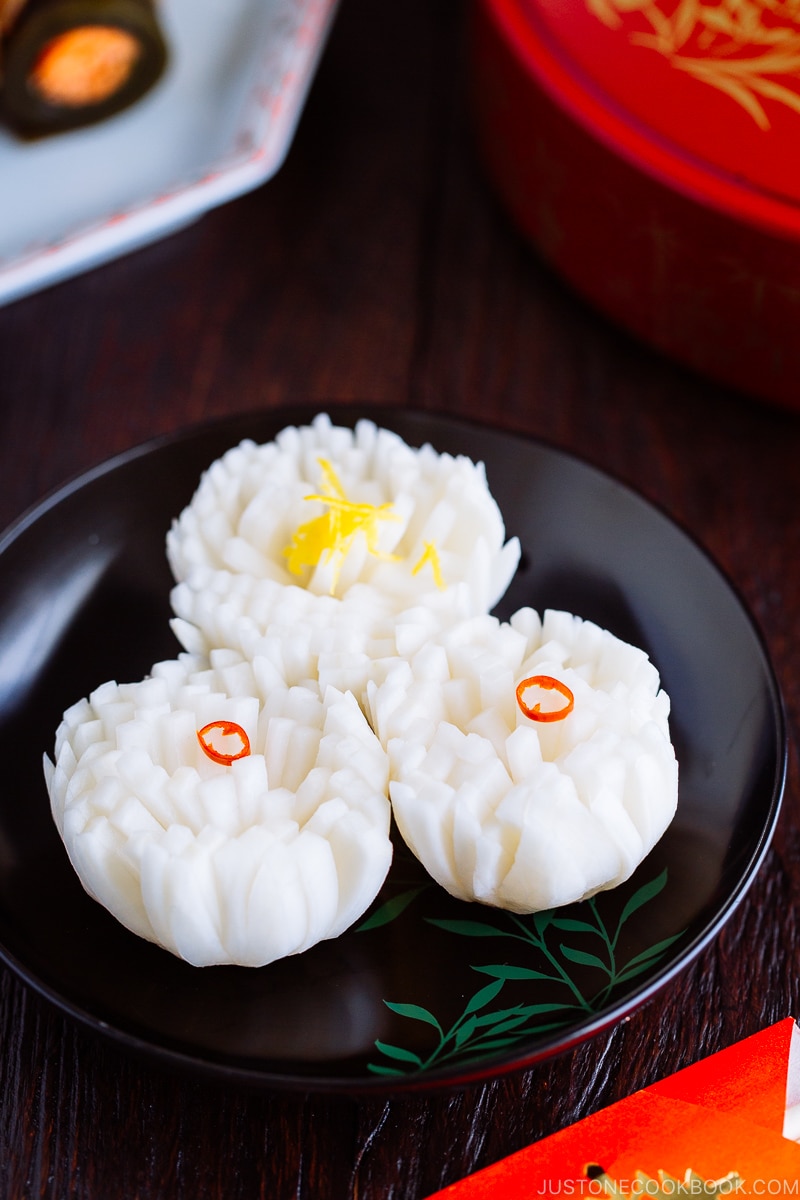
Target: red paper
[{"x": 715, "y": 1125}]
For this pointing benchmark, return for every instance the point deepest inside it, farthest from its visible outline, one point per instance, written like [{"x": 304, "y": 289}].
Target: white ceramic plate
[{"x": 219, "y": 123}]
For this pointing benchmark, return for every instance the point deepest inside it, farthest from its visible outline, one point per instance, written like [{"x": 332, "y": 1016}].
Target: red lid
[{"x": 704, "y": 95}]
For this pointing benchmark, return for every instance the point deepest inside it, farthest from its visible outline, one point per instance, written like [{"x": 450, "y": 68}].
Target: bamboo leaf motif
[
  {"x": 644, "y": 961},
  {"x": 582, "y": 957},
  {"x": 644, "y": 895},
  {"x": 399, "y": 1053},
  {"x": 584, "y": 940},
  {"x": 415, "y": 1012},
  {"x": 465, "y": 1032},
  {"x": 542, "y": 919},
  {"x": 467, "y": 928},
  {"x": 390, "y": 910},
  {"x": 571, "y": 925},
  {"x": 484, "y": 996},
  {"x": 507, "y": 971}
]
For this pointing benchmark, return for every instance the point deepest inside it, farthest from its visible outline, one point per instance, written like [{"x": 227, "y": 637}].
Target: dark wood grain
[{"x": 377, "y": 267}]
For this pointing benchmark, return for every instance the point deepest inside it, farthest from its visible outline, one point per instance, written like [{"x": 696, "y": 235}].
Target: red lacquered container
[{"x": 651, "y": 153}]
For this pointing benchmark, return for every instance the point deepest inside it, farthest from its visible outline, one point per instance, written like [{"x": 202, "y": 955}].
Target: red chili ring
[
  {"x": 229, "y": 729},
  {"x": 548, "y": 684}
]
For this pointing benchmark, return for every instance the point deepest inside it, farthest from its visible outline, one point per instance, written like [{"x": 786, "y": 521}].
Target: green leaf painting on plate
[{"x": 575, "y": 959}]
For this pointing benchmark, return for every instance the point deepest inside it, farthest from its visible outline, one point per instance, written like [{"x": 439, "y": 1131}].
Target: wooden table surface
[{"x": 377, "y": 267}]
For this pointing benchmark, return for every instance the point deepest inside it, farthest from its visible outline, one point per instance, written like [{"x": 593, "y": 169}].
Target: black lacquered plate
[{"x": 425, "y": 990}]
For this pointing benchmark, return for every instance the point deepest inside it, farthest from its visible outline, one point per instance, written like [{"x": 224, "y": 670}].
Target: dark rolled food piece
[{"x": 68, "y": 63}]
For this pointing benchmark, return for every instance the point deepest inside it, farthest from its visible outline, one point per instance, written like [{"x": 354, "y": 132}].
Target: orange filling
[{"x": 84, "y": 66}]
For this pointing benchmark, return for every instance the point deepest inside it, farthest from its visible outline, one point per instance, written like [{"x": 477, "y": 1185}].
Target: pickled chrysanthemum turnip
[
  {"x": 333, "y": 594},
  {"x": 515, "y": 813},
  {"x": 339, "y": 511},
  {"x": 241, "y": 863}
]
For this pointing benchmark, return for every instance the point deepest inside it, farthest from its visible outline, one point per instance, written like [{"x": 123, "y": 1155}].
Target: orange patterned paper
[{"x": 715, "y": 1128}]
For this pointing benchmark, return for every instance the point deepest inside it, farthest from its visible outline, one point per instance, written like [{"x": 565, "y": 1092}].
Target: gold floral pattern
[{"x": 748, "y": 49}]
